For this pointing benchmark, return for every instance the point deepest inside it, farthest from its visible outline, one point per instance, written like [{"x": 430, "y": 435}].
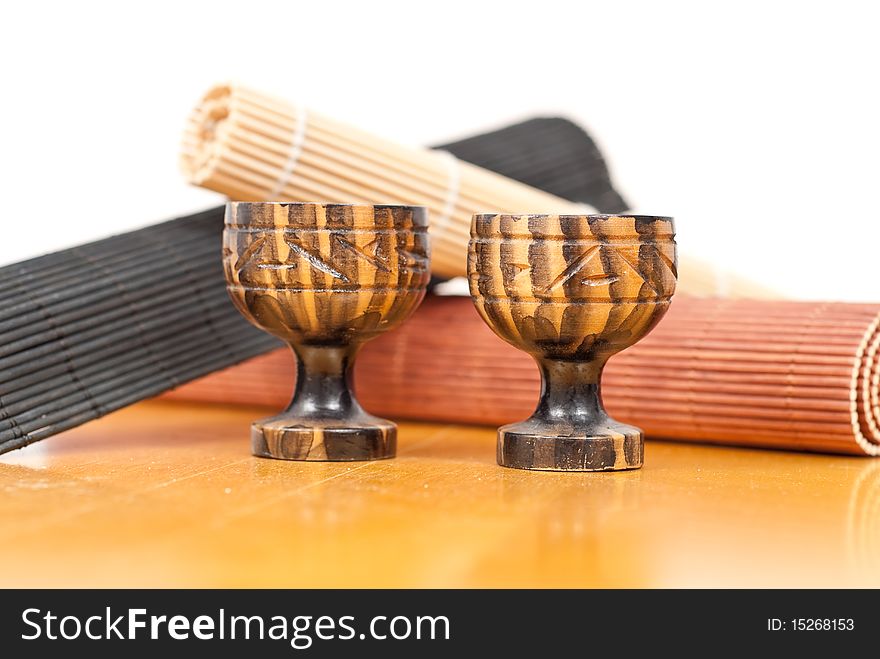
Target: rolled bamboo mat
[
  {"x": 90, "y": 329},
  {"x": 789, "y": 375},
  {"x": 254, "y": 147},
  {"x": 94, "y": 328}
]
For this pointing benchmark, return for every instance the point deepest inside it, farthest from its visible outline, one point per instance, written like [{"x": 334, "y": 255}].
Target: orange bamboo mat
[{"x": 793, "y": 375}]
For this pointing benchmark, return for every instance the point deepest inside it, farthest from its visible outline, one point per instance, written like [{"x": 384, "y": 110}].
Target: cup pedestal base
[
  {"x": 538, "y": 446},
  {"x": 297, "y": 439}
]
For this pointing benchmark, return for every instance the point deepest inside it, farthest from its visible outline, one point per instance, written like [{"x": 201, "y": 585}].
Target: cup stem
[
  {"x": 324, "y": 382},
  {"x": 571, "y": 392}
]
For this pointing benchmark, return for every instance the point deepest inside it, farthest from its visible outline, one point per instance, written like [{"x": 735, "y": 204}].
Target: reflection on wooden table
[{"x": 166, "y": 494}]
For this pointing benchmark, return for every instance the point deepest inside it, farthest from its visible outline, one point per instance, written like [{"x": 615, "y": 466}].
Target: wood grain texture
[
  {"x": 325, "y": 278},
  {"x": 172, "y": 489},
  {"x": 571, "y": 290}
]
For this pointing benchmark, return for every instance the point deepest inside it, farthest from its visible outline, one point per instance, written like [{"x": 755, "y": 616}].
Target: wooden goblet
[
  {"x": 325, "y": 278},
  {"x": 571, "y": 290}
]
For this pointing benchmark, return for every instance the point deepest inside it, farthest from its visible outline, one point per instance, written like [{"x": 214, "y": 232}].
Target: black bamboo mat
[
  {"x": 549, "y": 153},
  {"x": 91, "y": 329}
]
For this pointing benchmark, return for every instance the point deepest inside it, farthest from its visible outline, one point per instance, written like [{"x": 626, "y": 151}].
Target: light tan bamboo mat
[{"x": 254, "y": 147}]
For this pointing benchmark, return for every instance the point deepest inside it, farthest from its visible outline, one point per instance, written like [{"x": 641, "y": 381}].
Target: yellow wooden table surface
[{"x": 166, "y": 494}]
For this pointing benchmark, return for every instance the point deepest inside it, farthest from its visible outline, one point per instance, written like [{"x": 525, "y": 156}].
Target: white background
[{"x": 757, "y": 125}]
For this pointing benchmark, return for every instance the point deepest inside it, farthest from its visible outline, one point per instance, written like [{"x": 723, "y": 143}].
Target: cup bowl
[
  {"x": 571, "y": 286},
  {"x": 325, "y": 273}
]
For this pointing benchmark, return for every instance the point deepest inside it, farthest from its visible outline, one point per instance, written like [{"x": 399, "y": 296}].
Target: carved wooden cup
[
  {"x": 571, "y": 290},
  {"x": 325, "y": 278}
]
